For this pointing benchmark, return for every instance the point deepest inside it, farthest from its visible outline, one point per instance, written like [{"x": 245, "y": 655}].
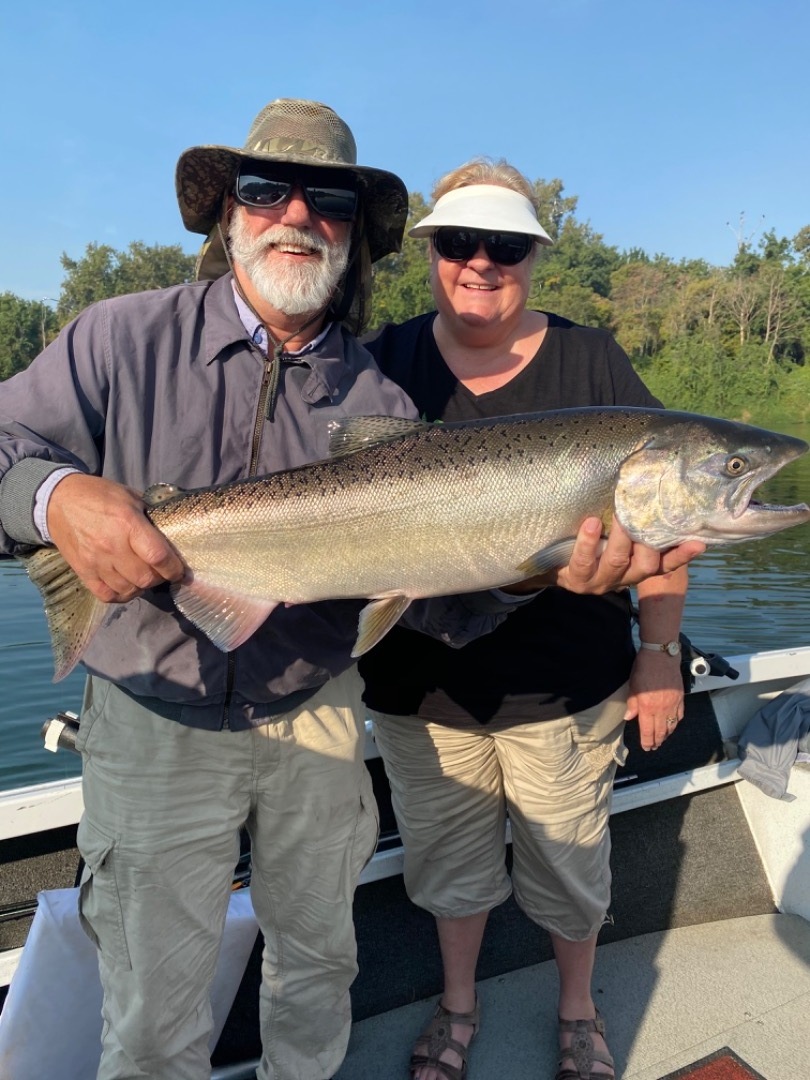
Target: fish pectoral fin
[
  {"x": 161, "y": 493},
  {"x": 376, "y": 619},
  {"x": 353, "y": 433},
  {"x": 226, "y": 619},
  {"x": 556, "y": 554},
  {"x": 73, "y": 613}
]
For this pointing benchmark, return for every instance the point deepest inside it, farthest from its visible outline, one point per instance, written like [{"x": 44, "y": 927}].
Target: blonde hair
[{"x": 484, "y": 170}]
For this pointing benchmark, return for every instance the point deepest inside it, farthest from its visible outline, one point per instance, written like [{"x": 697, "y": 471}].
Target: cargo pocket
[
  {"x": 96, "y": 692},
  {"x": 100, "y": 908},
  {"x": 367, "y": 829},
  {"x": 598, "y": 734}
]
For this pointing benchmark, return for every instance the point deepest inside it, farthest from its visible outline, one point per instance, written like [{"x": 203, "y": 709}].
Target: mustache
[{"x": 288, "y": 235}]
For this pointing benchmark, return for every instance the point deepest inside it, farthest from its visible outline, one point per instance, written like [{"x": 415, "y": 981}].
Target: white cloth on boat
[
  {"x": 51, "y": 1020},
  {"x": 773, "y": 739}
]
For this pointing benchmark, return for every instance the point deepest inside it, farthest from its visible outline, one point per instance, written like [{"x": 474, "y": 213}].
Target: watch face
[{"x": 673, "y": 648}]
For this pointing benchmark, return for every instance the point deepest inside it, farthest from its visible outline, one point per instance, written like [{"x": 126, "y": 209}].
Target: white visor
[{"x": 483, "y": 206}]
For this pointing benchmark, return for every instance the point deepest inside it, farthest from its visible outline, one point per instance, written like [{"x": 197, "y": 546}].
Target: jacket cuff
[{"x": 18, "y": 492}]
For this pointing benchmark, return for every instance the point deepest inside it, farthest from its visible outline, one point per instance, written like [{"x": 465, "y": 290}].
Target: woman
[{"x": 530, "y": 719}]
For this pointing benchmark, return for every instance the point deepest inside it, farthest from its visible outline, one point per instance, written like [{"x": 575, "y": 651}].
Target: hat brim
[
  {"x": 205, "y": 173},
  {"x": 484, "y": 207}
]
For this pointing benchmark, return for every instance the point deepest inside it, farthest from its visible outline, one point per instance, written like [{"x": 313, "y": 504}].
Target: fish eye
[{"x": 736, "y": 464}]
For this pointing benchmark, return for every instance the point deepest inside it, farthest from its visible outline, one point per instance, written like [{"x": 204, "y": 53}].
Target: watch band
[{"x": 671, "y": 648}]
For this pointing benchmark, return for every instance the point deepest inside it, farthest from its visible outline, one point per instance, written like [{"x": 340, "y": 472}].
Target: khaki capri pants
[{"x": 451, "y": 791}]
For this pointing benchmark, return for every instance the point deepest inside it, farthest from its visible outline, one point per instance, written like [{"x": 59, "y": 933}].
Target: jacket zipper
[{"x": 272, "y": 364}]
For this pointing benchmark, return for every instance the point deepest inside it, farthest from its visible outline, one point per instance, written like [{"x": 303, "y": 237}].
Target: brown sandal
[
  {"x": 582, "y": 1051},
  {"x": 437, "y": 1038}
]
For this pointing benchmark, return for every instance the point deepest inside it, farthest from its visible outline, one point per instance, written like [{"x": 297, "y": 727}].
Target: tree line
[{"x": 723, "y": 340}]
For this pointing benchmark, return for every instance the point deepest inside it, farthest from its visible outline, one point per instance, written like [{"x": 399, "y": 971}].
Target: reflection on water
[
  {"x": 742, "y": 598},
  {"x": 27, "y": 694}
]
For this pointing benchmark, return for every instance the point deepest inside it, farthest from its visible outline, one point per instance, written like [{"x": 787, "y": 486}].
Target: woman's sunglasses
[
  {"x": 459, "y": 245},
  {"x": 339, "y": 202}
]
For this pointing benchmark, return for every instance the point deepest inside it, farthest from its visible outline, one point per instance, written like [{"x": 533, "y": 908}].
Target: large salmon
[{"x": 405, "y": 509}]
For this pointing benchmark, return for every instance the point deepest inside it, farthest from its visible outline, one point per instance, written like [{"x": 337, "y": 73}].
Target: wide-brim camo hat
[{"x": 299, "y": 132}]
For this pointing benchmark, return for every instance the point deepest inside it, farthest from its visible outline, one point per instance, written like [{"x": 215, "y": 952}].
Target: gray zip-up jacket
[{"x": 165, "y": 386}]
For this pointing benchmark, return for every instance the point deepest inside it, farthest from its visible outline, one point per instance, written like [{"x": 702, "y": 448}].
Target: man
[{"x": 203, "y": 383}]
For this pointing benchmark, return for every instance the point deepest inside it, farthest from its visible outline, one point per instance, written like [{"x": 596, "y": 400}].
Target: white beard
[{"x": 290, "y": 289}]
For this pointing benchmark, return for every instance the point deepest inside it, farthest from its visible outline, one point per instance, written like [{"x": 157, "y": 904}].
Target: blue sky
[{"x": 679, "y": 125}]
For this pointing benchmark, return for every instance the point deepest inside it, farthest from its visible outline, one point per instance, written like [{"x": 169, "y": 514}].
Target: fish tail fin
[{"x": 73, "y": 613}]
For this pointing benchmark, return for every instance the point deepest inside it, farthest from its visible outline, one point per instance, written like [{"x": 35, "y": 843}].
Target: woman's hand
[
  {"x": 597, "y": 566},
  {"x": 656, "y": 697}
]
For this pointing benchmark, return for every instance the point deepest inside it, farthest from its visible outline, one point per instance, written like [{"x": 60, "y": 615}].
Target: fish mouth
[
  {"x": 755, "y": 507},
  {"x": 752, "y": 517}
]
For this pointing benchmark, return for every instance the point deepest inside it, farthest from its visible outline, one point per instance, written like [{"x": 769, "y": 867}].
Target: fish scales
[{"x": 445, "y": 509}]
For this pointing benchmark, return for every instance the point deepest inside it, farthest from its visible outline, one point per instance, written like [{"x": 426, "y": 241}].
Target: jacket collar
[{"x": 224, "y": 329}]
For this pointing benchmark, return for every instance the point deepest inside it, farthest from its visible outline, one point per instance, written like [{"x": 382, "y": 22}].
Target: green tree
[
  {"x": 553, "y": 208},
  {"x": 103, "y": 272},
  {"x": 572, "y": 278},
  {"x": 640, "y": 293},
  {"x": 401, "y": 281},
  {"x": 692, "y": 305},
  {"x": 25, "y": 328},
  {"x": 575, "y": 302},
  {"x": 801, "y": 244},
  {"x": 579, "y": 257}
]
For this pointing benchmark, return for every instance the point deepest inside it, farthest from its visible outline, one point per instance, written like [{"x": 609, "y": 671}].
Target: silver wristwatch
[{"x": 671, "y": 648}]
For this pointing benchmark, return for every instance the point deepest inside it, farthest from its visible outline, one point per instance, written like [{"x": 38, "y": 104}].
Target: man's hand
[
  {"x": 622, "y": 562},
  {"x": 101, "y": 529}
]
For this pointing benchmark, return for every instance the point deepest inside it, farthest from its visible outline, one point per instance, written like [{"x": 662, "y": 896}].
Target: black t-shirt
[{"x": 559, "y": 653}]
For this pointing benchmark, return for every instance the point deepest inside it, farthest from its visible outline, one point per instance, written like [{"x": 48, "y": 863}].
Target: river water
[{"x": 742, "y": 598}]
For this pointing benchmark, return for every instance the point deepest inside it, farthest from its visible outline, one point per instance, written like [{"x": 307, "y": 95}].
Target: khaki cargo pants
[{"x": 163, "y": 806}]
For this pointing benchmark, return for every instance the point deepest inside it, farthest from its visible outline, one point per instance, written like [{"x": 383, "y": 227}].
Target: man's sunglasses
[
  {"x": 338, "y": 202},
  {"x": 459, "y": 245}
]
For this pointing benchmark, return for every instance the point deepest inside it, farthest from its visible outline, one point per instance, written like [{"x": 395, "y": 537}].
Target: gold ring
[{"x": 671, "y": 721}]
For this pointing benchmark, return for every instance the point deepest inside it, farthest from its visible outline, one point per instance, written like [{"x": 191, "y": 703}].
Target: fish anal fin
[
  {"x": 74, "y": 614},
  {"x": 227, "y": 619},
  {"x": 376, "y": 619}
]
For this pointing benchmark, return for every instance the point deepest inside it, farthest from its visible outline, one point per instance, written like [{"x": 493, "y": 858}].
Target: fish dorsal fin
[
  {"x": 161, "y": 493},
  {"x": 352, "y": 433},
  {"x": 376, "y": 619},
  {"x": 226, "y": 619}
]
